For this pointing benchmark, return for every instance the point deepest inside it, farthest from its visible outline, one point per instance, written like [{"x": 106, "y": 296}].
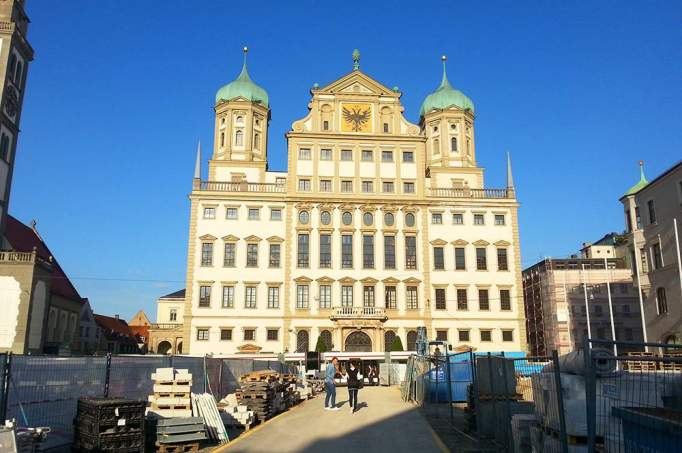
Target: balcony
[
  {"x": 257, "y": 187},
  {"x": 465, "y": 192},
  {"x": 17, "y": 257},
  {"x": 358, "y": 313},
  {"x": 165, "y": 326}
]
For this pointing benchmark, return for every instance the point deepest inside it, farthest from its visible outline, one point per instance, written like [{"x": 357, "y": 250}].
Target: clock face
[{"x": 356, "y": 117}]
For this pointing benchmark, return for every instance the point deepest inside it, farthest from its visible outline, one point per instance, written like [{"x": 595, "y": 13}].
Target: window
[
  {"x": 441, "y": 335},
  {"x": 638, "y": 218},
  {"x": 502, "y": 264},
  {"x": 172, "y": 316},
  {"x": 347, "y": 218},
  {"x": 225, "y": 334},
  {"x": 438, "y": 258},
  {"x": 390, "y": 297},
  {"x": 325, "y": 296},
  {"x": 275, "y": 214},
  {"x": 486, "y": 335},
  {"x": 388, "y": 187},
  {"x": 460, "y": 260},
  {"x": 453, "y": 144},
  {"x": 661, "y": 301},
  {"x": 463, "y": 335},
  {"x": 240, "y": 120},
  {"x": 652, "y": 211},
  {"x": 228, "y": 297},
  {"x": 303, "y": 250},
  {"x": 325, "y": 218},
  {"x": 254, "y": 214},
  {"x": 249, "y": 334},
  {"x": 408, "y": 187},
  {"x": 346, "y": 296},
  {"x": 275, "y": 253},
  {"x": 387, "y": 156},
  {"x": 440, "y": 299},
  {"x": 325, "y": 125},
  {"x": 657, "y": 257},
  {"x": 458, "y": 218},
  {"x": 628, "y": 221},
  {"x": 304, "y": 217},
  {"x": 304, "y": 154},
  {"x": 389, "y": 252},
  {"x": 325, "y": 251},
  {"x": 256, "y": 141},
  {"x": 368, "y": 219},
  {"x": 346, "y": 154},
  {"x": 250, "y": 297},
  {"x": 304, "y": 185},
  {"x": 507, "y": 335},
  {"x": 325, "y": 185},
  {"x": 222, "y": 139},
  {"x": 368, "y": 251},
  {"x": 409, "y": 219},
  {"x": 437, "y": 218},
  {"x": 202, "y": 334},
  {"x": 347, "y": 251},
  {"x": 302, "y": 296},
  {"x": 462, "y": 303},
  {"x": 204, "y": 296},
  {"x": 483, "y": 300},
  {"x": 481, "y": 259},
  {"x": 272, "y": 334},
  {"x": 479, "y": 219},
  {"x": 207, "y": 254},
  {"x": 239, "y": 138},
  {"x": 231, "y": 213},
  {"x": 367, "y": 186},
  {"x": 325, "y": 154},
  {"x": 346, "y": 186},
  {"x": 251, "y": 255},
  {"x": 4, "y": 147},
  {"x": 505, "y": 300},
  {"x": 410, "y": 252},
  {"x": 368, "y": 296},
  {"x": 367, "y": 155},
  {"x": 499, "y": 219},
  {"x": 230, "y": 254},
  {"x": 411, "y": 298},
  {"x": 408, "y": 156},
  {"x": 385, "y": 128},
  {"x": 389, "y": 219},
  {"x": 273, "y": 297},
  {"x": 209, "y": 213}
]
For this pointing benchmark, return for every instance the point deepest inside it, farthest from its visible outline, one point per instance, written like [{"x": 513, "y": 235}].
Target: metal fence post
[
  {"x": 507, "y": 400},
  {"x": 205, "y": 374},
  {"x": 107, "y": 376},
  {"x": 560, "y": 402},
  {"x": 5, "y": 386},
  {"x": 449, "y": 381},
  {"x": 590, "y": 396},
  {"x": 170, "y": 361}
]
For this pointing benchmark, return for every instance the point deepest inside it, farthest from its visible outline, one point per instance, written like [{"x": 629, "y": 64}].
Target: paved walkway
[{"x": 383, "y": 423}]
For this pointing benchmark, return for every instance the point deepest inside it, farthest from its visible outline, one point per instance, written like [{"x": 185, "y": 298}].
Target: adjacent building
[
  {"x": 116, "y": 336},
  {"x": 653, "y": 218},
  {"x": 165, "y": 336},
  {"x": 139, "y": 326},
  {"x": 377, "y": 226}
]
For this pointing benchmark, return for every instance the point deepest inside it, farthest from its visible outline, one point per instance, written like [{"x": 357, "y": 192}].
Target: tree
[
  {"x": 397, "y": 344},
  {"x": 321, "y": 345}
]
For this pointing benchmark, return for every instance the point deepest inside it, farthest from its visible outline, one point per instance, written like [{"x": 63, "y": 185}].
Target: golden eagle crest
[{"x": 357, "y": 117}]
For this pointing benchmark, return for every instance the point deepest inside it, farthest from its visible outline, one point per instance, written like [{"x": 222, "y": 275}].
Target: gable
[{"x": 358, "y": 83}]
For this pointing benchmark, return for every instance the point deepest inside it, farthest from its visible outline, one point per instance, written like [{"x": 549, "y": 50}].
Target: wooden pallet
[
  {"x": 165, "y": 407},
  {"x": 177, "y": 448},
  {"x": 572, "y": 440}
]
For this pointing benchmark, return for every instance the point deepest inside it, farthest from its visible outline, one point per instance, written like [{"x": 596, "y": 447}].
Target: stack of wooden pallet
[
  {"x": 674, "y": 363},
  {"x": 177, "y": 434},
  {"x": 641, "y": 365},
  {"x": 258, "y": 392},
  {"x": 171, "y": 396}
]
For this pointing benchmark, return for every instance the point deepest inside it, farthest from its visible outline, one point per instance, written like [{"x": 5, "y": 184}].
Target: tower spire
[
  {"x": 197, "y": 164},
  {"x": 444, "y": 82},
  {"x": 510, "y": 178}
]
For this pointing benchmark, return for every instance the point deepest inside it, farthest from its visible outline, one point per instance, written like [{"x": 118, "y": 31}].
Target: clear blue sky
[{"x": 120, "y": 92}]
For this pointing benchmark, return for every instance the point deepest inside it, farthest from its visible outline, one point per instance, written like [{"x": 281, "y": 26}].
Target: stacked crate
[
  {"x": 172, "y": 390},
  {"x": 641, "y": 365},
  {"x": 108, "y": 424},
  {"x": 675, "y": 364},
  {"x": 178, "y": 434},
  {"x": 258, "y": 393}
]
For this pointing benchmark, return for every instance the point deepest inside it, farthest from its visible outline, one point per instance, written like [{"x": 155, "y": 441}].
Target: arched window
[
  {"x": 453, "y": 144},
  {"x": 239, "y": 138},
  {"x": 327, "y": 339},
  {"x": 389, "y": 336},
  {"x": 256, "y": 141},
  {"x": 302, "y": 341},
  {"x": 222, "y": 139},
  {"x": 436, "y": 146},
  {"x": 661, "y": 301},
  {"x": 412, "y": 340},
  {"x": 240, "y": 120}
]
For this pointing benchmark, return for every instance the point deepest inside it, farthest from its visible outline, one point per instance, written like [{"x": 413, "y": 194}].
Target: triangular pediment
[
  {"x": 438, "y": 242},
  {"x": 252, "y": 238},
  {"x": 207, "y": 237},
  {"x": 275, "y": 239},
  {"x": 303, "y": 279},
  {"x": 230, "y": 238},
  {"x": 358, "y": 83},
  {"x": 481, "y": 243},
  {"x": 459, "y": 242},
  {"x": 391, "y": 280},
  {"x": 248, "y": 348},
  {"x": 502, "y": 243},
  {"x": 369, "y": 280}
]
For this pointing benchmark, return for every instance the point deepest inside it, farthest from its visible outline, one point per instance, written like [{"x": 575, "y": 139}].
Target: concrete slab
[{"x": 383, "y": 423}]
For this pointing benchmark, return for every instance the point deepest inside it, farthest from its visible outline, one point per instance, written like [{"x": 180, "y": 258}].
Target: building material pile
[
  {"x": 235, "y": 415},
  {"x": 171, "y": 396},
  {"x": 177, "y": 434},
  {"x": 108, "y": 424},
  {"x": 204, "y": 405},
  {"x": 259, "y": 392}
]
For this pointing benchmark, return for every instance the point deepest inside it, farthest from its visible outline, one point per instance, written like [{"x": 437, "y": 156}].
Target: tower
[{"x": 15, "y": 55}]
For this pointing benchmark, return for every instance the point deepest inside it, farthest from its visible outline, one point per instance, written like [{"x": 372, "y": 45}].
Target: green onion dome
[
  {"x": 445, "y": 97},
  {"x": 242, "y": 87}
]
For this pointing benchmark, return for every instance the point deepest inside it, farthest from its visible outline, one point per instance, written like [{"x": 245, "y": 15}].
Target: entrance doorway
[
  {"x": 164, "y": 347},
  {"x": 358, "y": 342}
]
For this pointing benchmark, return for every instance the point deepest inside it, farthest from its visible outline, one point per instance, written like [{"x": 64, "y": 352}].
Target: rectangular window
[
  {"x": 505, "y": 300},
  {"x": 458, "y": 218},
  {"x": 346, "y": 296},
  {"x": 657, "y": 257},
  {"x": 275, "y": 253},
  {"x": 483, "y": 300},
  {"x": 225, "y": 334},
  {"x": 325, "y": 185},
  {"x": 250, "y": 297},
  {"x": 462, "y": 303},
  {"x": 460, "y": 259},
  {"x": 325, "y": 296},
  {"x": 228, "y": 297},
  {"x": 325, "y": 125},
  {"x": 303, "y": 256},
  {"x": 502, "y": 264},
  {"x": 325, "y": 251},
  {"x": 325, "y": 154},
  {"x": 387, "y": 156},
  {"x": 230, "y": 254},
  {"x": 389, "y": 252},
  {"x": 273, "y": 297},
  {"x": 438, "y": 258},
  {"x": 410, "y": 252},
  {"x": 628, "y": 220},
  {"x": 437, "y": 218},
  {"x": 486, "y": 335},
  {"x": 368, "y": 296},
  {"x": 411, "y": 298},
  {"x": 499, "y": 219},
  {"x": 254, "y": 214},
  {"x": 302, "y": 296},
  {"x": 209, "y": 213},
  {"x": 652, "y": 211},
  {"x": 440, "y": 299},
  {"x": 346, "y": 186},
  {"x": 275, "y": 214},
  {"x": 507, "y": 335},
  {"x": 638, "y": 218},
  {"x": 304, "y": 154},
  {"x": 479, "y": 219},
  {"x": 231, "y": 213},
  {"x": 172, "y": 316},
  {"x": 388, "y": 187},
  {"x": 408, "y": 187},
  {"x": 463, "y": 335},
  {"x": 249, "y": 334},
  {"x": 202, "y": 334},
  {"x": 367, "y": 186},
  {"x": 441, "y": 335},
  {"x": 304, "y": 185},
  {"x": 347, "y": 251},
  {"x": 346, "y": 154},
  {"x": 385, "y": 128},
  {"x": 367, "y": 155},
  {"x": 251, "y": 255},
  {"x": 204, "y": 296},
  {"x": 207, "y": 254},
  {"x": 390, "y": 297},
  {"x": 481, "y": 259},
  {"x": 272, "y": 334},
  {"x": 408, "y": 156},
  {"x": 368, "y": 251}
]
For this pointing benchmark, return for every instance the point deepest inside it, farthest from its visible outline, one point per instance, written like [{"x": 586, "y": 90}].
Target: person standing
[
  {"x": 353, "y": 386},
  {"x": 330, "y": 398}
]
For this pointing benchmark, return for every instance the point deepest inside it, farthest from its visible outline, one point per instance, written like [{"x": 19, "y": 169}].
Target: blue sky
[{"x": 120, "y": 92}]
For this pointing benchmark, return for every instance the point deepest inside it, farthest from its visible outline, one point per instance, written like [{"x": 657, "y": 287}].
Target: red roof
[
  {"x": 113, "y": 325},
  {"x": 23, "y": 238}
]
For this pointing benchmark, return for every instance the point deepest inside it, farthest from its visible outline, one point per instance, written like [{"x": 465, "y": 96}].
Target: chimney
[{"x": 116, "y": 316}]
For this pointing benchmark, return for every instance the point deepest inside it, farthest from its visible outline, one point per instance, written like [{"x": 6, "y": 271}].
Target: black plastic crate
[
  {"x": 91, "y": 425},
  {"x": 109, "y": 442},
  {"x": 111, "y": 409}
]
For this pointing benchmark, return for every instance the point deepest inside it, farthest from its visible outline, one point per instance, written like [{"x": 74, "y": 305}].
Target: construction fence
[{"x": 44, "y": 390}]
